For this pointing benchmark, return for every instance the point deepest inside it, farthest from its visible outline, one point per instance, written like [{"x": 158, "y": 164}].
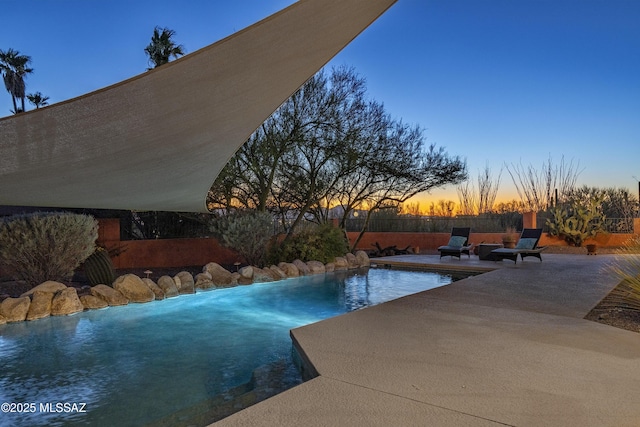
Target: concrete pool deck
[{"x": 508, "y": 347}]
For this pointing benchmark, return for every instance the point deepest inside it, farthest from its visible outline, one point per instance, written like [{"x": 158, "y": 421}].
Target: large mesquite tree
[{"x": 326, "y": 146}]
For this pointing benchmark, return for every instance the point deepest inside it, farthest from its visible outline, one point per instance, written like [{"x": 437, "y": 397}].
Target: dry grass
[
  {"x": 627, "y": 268},
  {"x": 621, "y": 307}
]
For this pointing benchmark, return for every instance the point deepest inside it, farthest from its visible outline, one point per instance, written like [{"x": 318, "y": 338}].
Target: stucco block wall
[
  {"x": 429, "y": 242},
  {"x": 162, "y": 252},
  {"x": 186, "y": 252}
]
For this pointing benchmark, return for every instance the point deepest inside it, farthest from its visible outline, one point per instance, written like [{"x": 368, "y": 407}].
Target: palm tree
[
  {"x": 14, "y": 68},
  {"x": 162, "y": 48},
  {"x": 38, "y": 100}
]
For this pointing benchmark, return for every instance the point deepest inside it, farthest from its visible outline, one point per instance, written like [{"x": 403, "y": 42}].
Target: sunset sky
[{"x": 494, "y": 81}]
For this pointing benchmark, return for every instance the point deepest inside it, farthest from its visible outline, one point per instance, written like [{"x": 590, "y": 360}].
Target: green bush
[
  {"x": 322, "y": 243},
  {"x": 247, "y": 232},
  {"x": 46, "y": 246}
]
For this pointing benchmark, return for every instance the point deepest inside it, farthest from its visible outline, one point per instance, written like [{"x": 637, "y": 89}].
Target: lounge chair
[
  {"x": 458, "y": 243},
  {"x": 527, "y": 246}
]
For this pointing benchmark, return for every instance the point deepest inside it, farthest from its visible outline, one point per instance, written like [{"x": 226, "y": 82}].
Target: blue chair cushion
[
  {"x": 457, "y": 241},
  {"x": 526, "y": 243}
]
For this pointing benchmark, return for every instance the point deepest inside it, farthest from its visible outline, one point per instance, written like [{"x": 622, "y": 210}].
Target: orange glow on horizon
[{"x": 450, "y": 194}]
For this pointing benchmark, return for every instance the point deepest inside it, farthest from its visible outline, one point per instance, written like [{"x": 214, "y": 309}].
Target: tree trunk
[
  {"x": 364, "y": 230},
  {"x": 297, "y": 221}
]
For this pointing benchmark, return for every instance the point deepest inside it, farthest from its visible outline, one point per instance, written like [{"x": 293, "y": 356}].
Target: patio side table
[{"x": 484, "y": 250}]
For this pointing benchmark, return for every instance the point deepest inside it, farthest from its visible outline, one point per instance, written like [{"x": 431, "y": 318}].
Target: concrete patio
[{"x": 507, "y": 347}]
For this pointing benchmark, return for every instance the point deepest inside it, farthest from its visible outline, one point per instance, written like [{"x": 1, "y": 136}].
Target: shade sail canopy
[{"x": 158, "y": 141}]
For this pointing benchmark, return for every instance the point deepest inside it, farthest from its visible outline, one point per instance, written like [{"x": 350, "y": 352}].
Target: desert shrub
[
  {"x": 616, "y": 202},
  {"x": 46, "y": 246},
  {"x": 247, "y": 232},
  {"x": 627, "y": 268},
  {"x": 322, "y": 243}
]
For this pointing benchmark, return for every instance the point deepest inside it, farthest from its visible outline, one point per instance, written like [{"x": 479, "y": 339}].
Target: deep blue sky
[{"x": 494, "y": 81}]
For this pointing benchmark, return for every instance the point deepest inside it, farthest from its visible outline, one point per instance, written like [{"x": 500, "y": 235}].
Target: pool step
[
  {"x": 266, "y": 381},
  {"x": 269, "y": 380}
]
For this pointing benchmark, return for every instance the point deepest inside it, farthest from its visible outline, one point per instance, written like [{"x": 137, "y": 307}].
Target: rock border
[{"x": 57, "y": 299}]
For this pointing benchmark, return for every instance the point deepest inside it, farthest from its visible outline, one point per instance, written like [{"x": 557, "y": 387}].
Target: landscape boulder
[
  {"x": 177, "y": 282},
  {"x": 246, "y": 272},
  {"x": 203, "y": 281},
  {"x": 133, "y": 288},
  {"x": 109, "y": 295},
  {"x": 340, "y": 263},
  {"x": 262, "y": 275},
  {"x": 278, "y": 272},
  {"x": 15, "y": 309},
  {"x": 3, "y": 320},
  {"x": 220, "y": 276},
  {"x": 92, "y": 302},
  {"x": 302, "y": 267},
  {"x": 239, "y": 280},
  {"x": 363, "y": 259},
  {"x": 330, "y": 267},
  {"x": 352, "y": 261},
  {"x": 157, "y": 291},
  {"x": 187, "y": 284},
  {"x": 66, "y": 302},
  {"x": 40, "y": 305},
  {"x": 168, "y": 286},
  {"x": 48, "y": 286},
  {"x": 289, "y": 269},
  {"x": 316, "y": 267}
]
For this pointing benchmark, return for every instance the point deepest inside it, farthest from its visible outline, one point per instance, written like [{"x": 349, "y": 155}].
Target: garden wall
[
  {"x": 429, "y": 242},
  {"x": 186, "y": 252},
  {"x": 162, "y": 253}
]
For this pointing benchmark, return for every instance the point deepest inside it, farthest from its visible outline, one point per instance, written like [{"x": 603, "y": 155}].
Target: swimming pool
[{"x": 160, "y": 363}]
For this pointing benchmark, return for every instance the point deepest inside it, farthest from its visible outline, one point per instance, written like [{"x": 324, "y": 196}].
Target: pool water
[{"x": 139, "y": 364}]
